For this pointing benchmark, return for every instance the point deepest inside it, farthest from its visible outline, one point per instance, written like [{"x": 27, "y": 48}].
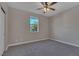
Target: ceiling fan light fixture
[
  {"x": 46, "y": 9},
  {"x": 46, "y": 6}
]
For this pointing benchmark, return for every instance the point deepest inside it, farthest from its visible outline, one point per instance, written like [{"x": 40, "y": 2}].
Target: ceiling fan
[{"x": 46, "y": 6}]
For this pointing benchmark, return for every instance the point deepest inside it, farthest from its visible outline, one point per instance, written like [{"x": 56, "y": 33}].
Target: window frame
[{"x": 36, "y": 18}]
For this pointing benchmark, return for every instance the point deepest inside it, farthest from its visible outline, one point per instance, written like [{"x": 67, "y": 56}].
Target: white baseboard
[
  {"x": 26, "y": 42},
  {"x": 66, "y": 42}
]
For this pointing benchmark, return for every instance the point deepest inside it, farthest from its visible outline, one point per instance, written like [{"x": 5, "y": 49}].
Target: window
[{"x": 34, "y": 24}]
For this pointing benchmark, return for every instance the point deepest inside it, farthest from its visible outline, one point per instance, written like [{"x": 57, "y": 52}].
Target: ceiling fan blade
[
  {"x": 39, "y": 8},
  {"x": 46, "y": 3},
  {"x": 53, "y": 3},
  {"x": 52, "y": 9},
  {"x": 42, "y": 3}
]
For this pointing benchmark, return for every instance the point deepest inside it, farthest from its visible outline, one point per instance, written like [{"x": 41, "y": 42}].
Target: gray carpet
[{"x": 43, "y": 48}]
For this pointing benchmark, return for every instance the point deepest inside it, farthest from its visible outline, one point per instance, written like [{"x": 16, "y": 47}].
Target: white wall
[
  {"x": 65, "y": 26},
  {"x": 19, "y": 27}
]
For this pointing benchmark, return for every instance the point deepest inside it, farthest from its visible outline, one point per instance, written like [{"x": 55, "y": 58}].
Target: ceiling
[{"x": 32, "y": 7}]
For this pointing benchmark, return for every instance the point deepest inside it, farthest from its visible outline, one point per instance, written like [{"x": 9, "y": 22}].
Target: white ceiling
[{"x": 32, "y": 7}]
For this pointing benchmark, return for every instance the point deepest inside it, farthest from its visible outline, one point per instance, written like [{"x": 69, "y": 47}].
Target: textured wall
[
  {"x": 19, "y": 27},
  {"x": 65, "y": 26}
]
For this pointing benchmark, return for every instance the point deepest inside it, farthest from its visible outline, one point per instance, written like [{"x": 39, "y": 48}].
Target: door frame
[{"x": 3, "y": 13}]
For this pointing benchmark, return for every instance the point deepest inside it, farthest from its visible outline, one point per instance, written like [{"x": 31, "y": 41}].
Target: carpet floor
[{"x": 43, "y": 48}]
